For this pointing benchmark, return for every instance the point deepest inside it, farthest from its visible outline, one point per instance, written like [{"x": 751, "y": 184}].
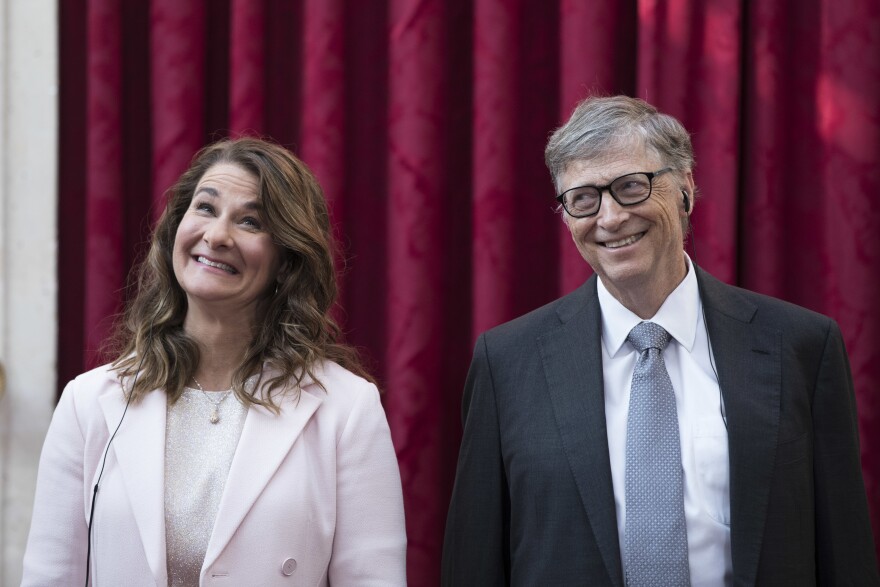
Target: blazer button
[{"x": 288, "y": 567}]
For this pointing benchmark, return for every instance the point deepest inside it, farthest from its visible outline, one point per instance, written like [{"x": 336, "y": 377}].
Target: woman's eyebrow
[{"x": 208, "y": 190}]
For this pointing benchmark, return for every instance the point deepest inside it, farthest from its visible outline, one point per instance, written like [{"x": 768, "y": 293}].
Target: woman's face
[{"x": 223, "y": 257}]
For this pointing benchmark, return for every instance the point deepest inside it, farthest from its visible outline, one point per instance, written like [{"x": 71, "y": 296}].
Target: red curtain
[{"x": 425, "y": 121}]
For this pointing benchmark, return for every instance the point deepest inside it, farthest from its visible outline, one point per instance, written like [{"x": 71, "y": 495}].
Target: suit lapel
[
  {"x": 572, "y": 359},
  {"x": 139, "y": 447},
  {"x": 750, "y": 376},
  {"x": 265, "y": 441},
  {"x": 748, "y": 358}
]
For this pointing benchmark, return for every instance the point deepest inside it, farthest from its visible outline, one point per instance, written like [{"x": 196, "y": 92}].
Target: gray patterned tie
[{"x": 655, "y": 535}]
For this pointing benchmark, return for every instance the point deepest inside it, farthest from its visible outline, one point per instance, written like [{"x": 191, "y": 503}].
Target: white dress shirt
[{"x": 701, "y": 427}]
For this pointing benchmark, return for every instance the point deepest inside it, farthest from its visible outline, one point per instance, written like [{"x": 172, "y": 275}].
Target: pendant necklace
[{"x": 215, "y": 415}]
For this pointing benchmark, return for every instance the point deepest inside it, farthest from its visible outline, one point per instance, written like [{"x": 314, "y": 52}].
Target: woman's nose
[{"x": 217, "y": 234}]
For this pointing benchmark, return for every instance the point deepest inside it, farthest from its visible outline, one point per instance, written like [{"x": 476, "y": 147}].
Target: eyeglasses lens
[
  {"x": 627, "y": 190},
  {"x": 632, "y": 188}
]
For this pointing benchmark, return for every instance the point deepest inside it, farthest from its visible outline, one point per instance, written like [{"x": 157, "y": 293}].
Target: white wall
[{"x": 28, "y": 258}]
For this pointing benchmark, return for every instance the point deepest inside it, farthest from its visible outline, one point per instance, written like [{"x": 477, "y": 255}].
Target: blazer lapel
[
  {"x": 572, "y": 359},
  {"x": 265, "y": 441},
  {"x": 750, "y": 376},
  {"x": 139, "y": 447}
]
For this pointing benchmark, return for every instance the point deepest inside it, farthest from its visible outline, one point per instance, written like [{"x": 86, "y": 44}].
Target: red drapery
[{"x": 425, "y": 121}]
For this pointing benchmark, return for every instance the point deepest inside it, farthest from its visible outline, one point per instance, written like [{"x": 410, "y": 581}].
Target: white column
[{"x": 28, "y": 258}]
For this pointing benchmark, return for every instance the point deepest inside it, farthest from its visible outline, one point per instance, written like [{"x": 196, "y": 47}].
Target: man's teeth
[
  {"x": 223, "y": 266},
  {"x": 623, "y": 242}
]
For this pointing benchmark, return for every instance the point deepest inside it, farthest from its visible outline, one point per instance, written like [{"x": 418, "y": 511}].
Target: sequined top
[{"x": 198, "y": 454}]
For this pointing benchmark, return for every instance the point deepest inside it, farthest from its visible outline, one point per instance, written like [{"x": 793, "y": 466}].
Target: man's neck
[{"x": 645, "y": 299}]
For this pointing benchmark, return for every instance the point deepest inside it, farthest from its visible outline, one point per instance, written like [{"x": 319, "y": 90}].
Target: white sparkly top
[{"x": 198, "y": 454}]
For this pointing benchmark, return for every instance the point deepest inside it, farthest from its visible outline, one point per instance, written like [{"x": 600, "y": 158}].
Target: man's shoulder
[
  {"x": 759, "y": 307},
  {"x": 545, "y": 318}
]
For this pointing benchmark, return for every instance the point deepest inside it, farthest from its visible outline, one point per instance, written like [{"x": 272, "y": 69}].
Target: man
[{"x": 656, "y": 426}]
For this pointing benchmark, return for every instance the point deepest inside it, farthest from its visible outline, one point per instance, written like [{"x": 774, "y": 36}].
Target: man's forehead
[{"x": 609, "y": 166}]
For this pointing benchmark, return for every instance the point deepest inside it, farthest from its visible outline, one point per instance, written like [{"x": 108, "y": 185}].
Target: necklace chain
[{"x": 215, "y": 414}]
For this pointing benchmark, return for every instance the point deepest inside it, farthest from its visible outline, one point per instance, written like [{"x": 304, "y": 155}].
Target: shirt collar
[{"x": 678, "y": 314}]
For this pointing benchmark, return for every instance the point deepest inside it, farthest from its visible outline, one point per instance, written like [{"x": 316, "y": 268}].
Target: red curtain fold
[
  {"x": 497, "y": 36},
  {"x": 105, "y": 262},
  {"x": 323, "y": 100},
  {"x": 425, "y": 121},
  {"x": 413, "y": 274},
  {"x": 177, "y": 60},
  {"x": 247, "y": 67}
]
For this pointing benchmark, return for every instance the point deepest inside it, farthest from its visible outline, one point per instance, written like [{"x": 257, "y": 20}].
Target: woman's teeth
[{"x": 223, "y": 266}]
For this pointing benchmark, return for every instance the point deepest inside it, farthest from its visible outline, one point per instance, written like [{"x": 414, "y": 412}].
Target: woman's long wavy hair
[{"x": 294, "y": 331}]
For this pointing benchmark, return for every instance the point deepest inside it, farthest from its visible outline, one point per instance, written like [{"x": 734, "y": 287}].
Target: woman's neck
[{"x": 222, "y": 346}]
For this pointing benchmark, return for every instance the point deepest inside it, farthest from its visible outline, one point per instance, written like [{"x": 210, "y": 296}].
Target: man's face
[{"x": 633, "y": 249}]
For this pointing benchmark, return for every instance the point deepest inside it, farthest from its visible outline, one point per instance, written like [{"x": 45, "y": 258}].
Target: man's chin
[{"x": 624, "y": 277}]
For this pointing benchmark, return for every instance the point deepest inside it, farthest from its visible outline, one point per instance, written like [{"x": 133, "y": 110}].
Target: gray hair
[{"x": 602, "y": 126}]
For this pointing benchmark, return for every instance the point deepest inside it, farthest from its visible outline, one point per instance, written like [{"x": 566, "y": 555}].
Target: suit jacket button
[{"x": 288, "y": 567}]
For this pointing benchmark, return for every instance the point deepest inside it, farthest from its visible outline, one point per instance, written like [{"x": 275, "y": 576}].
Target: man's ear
[{"x": 688, "y": 191}]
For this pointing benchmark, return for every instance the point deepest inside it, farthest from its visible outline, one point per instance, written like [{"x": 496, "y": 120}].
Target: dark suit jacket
[{"x": 533, "y": 502}]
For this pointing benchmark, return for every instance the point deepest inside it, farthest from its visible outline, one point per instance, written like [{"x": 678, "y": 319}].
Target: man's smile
[{"x": 622, "y": 242}]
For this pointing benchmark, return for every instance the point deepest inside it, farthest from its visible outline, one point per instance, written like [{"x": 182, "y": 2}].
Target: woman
[{"x": 244, "y": 445}]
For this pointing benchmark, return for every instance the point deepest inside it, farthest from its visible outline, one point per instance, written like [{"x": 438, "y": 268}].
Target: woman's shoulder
[
  {"x": 336, "y": 385},
  {"x": 94, "y": 380},
  {"x": 337, "y": 376},
  {"x": 87, "y": 387},
  {"x": 82, "y": 395}
]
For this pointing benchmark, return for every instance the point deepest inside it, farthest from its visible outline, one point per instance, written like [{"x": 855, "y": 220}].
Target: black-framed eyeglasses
[{"x": 627, "y": 190}]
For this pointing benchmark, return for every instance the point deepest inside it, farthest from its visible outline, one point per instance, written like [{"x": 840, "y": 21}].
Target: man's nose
[{"x": 610, "y": 213}]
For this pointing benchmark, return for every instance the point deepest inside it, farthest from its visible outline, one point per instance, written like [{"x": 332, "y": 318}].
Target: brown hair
[{"x": 294, "y": 330}]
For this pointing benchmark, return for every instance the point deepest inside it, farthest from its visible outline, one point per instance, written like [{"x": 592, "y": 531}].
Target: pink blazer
[{"x": 313, "y": 495}]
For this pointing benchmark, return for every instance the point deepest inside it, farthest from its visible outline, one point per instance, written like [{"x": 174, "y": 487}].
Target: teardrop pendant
[{"x": 215, "y": 415}]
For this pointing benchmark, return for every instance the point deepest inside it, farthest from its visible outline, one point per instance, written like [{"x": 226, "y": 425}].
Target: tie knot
[{"x": 648, "y": 335}]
